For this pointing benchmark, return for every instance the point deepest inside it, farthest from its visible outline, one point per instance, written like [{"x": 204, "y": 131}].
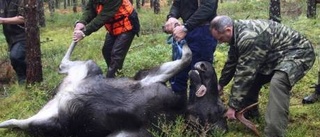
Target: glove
[
  {"x": 78, "y": 35},
  {"x": 79, "y": 26}
]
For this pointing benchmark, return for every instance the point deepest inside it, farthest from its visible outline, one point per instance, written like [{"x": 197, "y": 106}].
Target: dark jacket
[
  {"x": 13, "y": 32},
  {"x": 192, "y": 13}
]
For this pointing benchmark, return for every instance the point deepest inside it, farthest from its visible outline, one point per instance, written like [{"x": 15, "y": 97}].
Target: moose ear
[{"x": 201, "y": 91}]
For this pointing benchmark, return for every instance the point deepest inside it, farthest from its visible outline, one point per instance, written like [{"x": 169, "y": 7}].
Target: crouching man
[{"x": 262, "y": 51}]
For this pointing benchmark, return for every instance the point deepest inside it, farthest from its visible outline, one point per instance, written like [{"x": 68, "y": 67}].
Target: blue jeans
[
  {"x": 17, "y": 58},
  {"x": 202, "y": 45}
]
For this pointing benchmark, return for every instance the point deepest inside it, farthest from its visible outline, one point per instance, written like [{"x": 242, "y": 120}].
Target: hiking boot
[
  {"x": 311, "y": 98},
  {"x": 111, "y": 73}
]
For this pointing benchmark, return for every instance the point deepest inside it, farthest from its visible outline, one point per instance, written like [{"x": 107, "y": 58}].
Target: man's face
[{"x": 222, "y": 37}]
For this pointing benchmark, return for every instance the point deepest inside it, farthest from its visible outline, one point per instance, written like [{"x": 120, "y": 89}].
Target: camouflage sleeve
[
  {"x": 250, "y": 58},
  {"x": 229, "y": 68}
]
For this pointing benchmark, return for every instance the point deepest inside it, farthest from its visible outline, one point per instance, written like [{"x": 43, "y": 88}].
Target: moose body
[{"x": 87, "y": 104}]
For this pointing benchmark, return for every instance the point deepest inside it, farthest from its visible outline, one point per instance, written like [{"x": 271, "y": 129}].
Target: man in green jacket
[
  {"x": 120, "y": 20},
  {"x": 262, "y": 51}
]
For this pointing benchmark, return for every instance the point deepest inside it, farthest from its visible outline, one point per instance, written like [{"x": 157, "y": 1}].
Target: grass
[{"x": 151, "y": 49}]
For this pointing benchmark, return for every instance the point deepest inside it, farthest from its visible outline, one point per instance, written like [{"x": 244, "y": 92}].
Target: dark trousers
[
  {"x": 253, "y": 93},
  {"x": 278, "y": 105},
  {"x": 114, "y": 51},
  {"x": 17, "y": 58},
  {"x": 202, "y": 45},
  {"x": 277, "y": 113}
]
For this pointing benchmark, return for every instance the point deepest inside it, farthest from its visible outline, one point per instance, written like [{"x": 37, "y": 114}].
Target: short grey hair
[{"x": 220, "y": 22}]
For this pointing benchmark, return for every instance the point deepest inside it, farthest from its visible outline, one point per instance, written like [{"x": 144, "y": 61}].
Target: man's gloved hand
[
  {"x": 170, "y": 25},
  {"x": 78, "y": 35},
  {"x": 79, "y": 26}
]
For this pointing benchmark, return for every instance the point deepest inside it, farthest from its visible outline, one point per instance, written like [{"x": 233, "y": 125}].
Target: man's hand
[
  {"x": 1, "y": 20},
  {"x": 230, "y": 114},
  {"x": 179, "y": 33},
  {"x": 220, "y": 89},
  {"x": 79, "y": 26},
  {"x": 78, "y": 35},
  {"x": 170, "y": 25}
]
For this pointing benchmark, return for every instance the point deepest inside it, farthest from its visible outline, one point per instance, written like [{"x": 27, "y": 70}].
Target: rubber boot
[
  {"x": 111, "y": 73},
  {"x": 313, "y": 97}
]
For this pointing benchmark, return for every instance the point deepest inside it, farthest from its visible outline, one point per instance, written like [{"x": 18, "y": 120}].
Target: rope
[
  {"x": 176, "y": 47},
  {"x": 176, "y": 51}
]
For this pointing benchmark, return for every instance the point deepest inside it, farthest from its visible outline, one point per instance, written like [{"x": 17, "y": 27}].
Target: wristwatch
[{"x": 185, "y": 29}]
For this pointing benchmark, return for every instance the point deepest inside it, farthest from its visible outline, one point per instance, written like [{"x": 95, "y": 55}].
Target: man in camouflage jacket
[{"x": 262, "y": 51}]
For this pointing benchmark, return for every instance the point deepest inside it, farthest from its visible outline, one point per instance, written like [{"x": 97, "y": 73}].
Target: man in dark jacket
[
  {"x": 262, "y": 51},
  {"x": 196, "y": 16},
  {"x": 12, "y": 20},
  {"x": 122, "y": 23}
]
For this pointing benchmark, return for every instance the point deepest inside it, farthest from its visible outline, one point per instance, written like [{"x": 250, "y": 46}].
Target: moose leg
[
  {"x": 169, "y": 69},
  {"x": 49, "y": 111}
]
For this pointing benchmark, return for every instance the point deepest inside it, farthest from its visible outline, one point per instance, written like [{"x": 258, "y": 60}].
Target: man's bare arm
[{"x": 12, "y": 20}]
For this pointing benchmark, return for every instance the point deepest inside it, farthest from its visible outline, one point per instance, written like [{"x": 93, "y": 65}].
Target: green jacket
[
  {"x": 263, "y": 46},
  {"x": 94, "y": 21}
]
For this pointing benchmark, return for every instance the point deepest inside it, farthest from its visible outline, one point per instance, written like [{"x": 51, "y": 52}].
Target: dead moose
[{"x": 87, "y": 104}]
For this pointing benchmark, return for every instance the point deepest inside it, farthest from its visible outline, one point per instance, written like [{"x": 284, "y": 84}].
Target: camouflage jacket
[{"x": 262, "y": 46}]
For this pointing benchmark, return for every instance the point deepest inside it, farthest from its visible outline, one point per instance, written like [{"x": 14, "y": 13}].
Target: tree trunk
[
  {"x": 69, "y": 3},
  {"x": 83, "y": 4},
  {"x": 33, "y": 52},
  {"x": 143, "y": 2},
  {"x": 42, "y": 17},
  {"x": 312, "y": 8},
  {"x": 274, "y": 10},
  {"x": 138, "y": 4},
  {"x": 156, "y": 7},
  {"x": 57, "y": 4},
  {"x": 74, "y": 3},
  {"x": 151, "y": 3},
  {"x": 65, "y": 4},
  {"x": 51, "y": 7}
]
